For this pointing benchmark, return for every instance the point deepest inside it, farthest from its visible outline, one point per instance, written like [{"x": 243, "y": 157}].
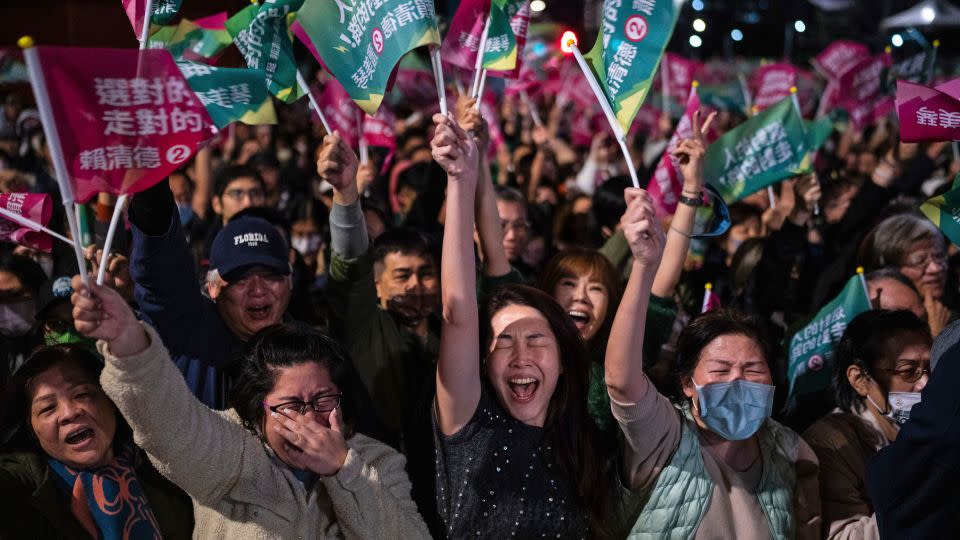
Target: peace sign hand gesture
[{"x": 690, "y": 154}]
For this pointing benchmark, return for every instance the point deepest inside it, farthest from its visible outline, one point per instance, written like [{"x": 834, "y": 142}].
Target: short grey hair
[{"x": 892, "y": 240}]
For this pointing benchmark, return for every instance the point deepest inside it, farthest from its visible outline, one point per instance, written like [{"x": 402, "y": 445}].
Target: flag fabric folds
[
  {"x": 263, "y": 37},
  {"x": 768, "y": 147},
  {"x": 944, "y": 212},
  {"x": 810, "y": 362},
  {"x": 628, "y": 49},
  {"x": 927, "y": 114},
  {"x": 163, "y": 12},
  {"x": 33, "y": 206},
  {"x": 509, "y": 22},
  {"x": 361, "y": 43},
  {"x": 121, "y": 133},
  {"x": 230, "y": 94}
]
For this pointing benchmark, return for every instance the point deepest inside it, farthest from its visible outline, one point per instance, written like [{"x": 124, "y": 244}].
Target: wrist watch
[{"x": 692, "y": 201}]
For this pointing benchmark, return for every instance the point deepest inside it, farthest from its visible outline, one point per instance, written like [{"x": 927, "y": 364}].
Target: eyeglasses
[
  {"x": 910, "y": 375},
  {"x": 921, "y": 261},
  {"x": 515, "y": 226},
  {"x": 322, "y": 404},
  {"x": 255, "y": 194}
]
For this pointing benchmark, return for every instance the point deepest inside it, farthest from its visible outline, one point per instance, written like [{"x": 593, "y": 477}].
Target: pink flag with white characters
[
  {"x": 926, "y": 114},
  {"x": 342, "y": 113},
  {"x": 460, "y": 46},
  {"x": 861, "y": 89},
  {"x": 666, "y": 183},
  {"x": 681, "y": 72},
  {"x": 950, "y": 88},
  {"x": 771, "y": 83},
  {"x": 121, "y": 130},
  {"x": 35, "y": 207},
  {"x": 838, "y": 57},
  {"x": 378, "y": 129}
]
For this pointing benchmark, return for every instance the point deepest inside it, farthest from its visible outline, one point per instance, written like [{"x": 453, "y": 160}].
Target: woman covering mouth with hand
[{"x": 516, "y": 448}]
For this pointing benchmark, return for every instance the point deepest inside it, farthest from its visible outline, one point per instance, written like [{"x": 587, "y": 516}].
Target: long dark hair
[
  {"x": 282, "y": 346},
  {"x": 568, "y": 427}
]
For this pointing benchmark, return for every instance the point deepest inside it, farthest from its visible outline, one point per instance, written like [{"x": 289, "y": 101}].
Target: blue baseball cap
[{"x": 246, "y": 242}]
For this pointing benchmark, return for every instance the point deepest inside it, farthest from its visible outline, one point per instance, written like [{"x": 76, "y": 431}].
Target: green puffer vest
[{"x": 679, "y": 498}]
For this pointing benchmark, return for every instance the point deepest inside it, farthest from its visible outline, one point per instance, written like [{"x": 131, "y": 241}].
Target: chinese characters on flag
[{"x": 120, "y": 132}]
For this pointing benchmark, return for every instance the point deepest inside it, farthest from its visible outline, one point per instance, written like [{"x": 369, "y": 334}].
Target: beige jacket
[
  {"x": 239, "y": 488},
  {"x": 844, "y": 442}
]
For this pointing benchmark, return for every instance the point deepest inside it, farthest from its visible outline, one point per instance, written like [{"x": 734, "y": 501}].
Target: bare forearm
[
  {"x": 624, "y": 375},
  {"x": 495, "y": 261},
  {"x": 675, "y": 252}
]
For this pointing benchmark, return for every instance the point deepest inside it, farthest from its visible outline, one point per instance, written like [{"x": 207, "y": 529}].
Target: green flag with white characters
[
  {"x": 263, "y": 36},
  {"x": 944, "y": 211},
  {"x": 810, "y": 363},
  {"x": 502, "y": 50},
  {"x": 633, "y": 36},
  {"x": 176, "y": 38},
  {"x": 164, "y": 11},
  {"x": 768, "y": 147},
  {"x": 361, "y": 41},
  {"x": 230, "y": 94}
]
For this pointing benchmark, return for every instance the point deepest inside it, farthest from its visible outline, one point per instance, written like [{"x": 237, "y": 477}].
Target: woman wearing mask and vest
[
  {"x": 881, "y": 365},
  {"x": 713, "y": 464}
]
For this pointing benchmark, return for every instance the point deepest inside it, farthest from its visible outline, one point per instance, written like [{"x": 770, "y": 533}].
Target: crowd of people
[{"x": 462, "y": 341}]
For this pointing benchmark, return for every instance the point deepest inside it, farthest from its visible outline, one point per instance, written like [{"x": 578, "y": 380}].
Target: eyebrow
[
  {"x": 319, "y": 392},
  {"x": 51, "y": 395}
]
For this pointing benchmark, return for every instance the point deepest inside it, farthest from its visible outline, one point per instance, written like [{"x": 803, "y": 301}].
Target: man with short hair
[
  {"x": 512, "y": 207},
  {"x": 248, "y": 282}
]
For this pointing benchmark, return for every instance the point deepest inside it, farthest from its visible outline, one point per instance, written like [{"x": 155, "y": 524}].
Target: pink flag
[
  {"x": 135, "y": 10},
  {"x": 926, "y": 114},
  {"x": 460, "y": 46},
  {"x": 378, "y": 130},
  {"x": 666, "y": 183},
  {"x": 860, "y": 89},
  {"x": 838, "y": 57},
  {"x": 710, "y": 299},
  {"x": 950, "y": 88},
  {"x": 770, "y": 84},
  {"x": 646, "y": 120},
  {"x": 33, "y": 206},
  {"x": 120, "y": 132},
  {"x": 488, "y": 108},
  {"x": 217, "y": 21},
  {"x": 341, "y": 111},
  {"x": 681, "y": 72},
  {"x": 418, "y": 88},
  {"x": 526, "y": 81}
]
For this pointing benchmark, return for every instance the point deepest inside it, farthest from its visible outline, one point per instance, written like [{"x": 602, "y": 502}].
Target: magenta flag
[
  {"x": 460, "y": 46},
  {"x": 647, "y": 119},
  {"x": 378, "y": 129},
  {"x": 771, "y": 83},
  {"x": 666, "y": 183},
  {"x": 681, "y": 72},
  {"x": 217, "y": 21},
  {"x": 950, "y": 88},
  {"x": 838, "y": 57},
  {"x": 342, "y": 113},
  {"x": 418, "y": 87},
  {"x": 488, "y": 108},
  {"x": 526, "y": 81},
  {"x": 926, "y": 114},
  {"x": 33, "y": 206},
  {"x": 120, "y": 132},
  {"x": 860, "y": 89}
]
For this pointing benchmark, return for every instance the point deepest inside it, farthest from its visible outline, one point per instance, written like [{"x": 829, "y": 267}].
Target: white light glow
[
  {"x": 928, "y": 14},
  {"x": 699, "y": 25},
  {"x": 695, "y": 41},
  {"x": 567, "y": 42},
  {"x": 537, "y": 6},
  {"x": 736, "y": 34},
  {"x": 897, "y": 40},
  {"x": 800, "y": 26},
  {"x": 697, "y": 5}
]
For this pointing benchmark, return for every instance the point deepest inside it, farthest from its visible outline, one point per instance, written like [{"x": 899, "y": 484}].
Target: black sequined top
[{"x": 495, "y": 480}]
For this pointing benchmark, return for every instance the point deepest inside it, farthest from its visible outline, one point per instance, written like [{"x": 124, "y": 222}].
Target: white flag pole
[
  {"x": 122, "y": 199},
  {"x": 438, "y": 77},
  {"x": 56, "y": 151},
  {"x": 364, "y": 148},
  {"x": 32, "y": 225},
  {"x": 665, "y": 84},
  {"x": 607, "y": 111},
  {"x": 803, "y": 127},
  {"x": 478, "y": 70},
  {"x": 305, "y": 88},
  {"x": 707, "y": 293},
  {"x": 534, "y": 113},
  {"x": 863, "y": 281}
]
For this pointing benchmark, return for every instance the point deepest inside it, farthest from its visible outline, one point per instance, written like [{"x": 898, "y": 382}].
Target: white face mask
[
  {"x": 16, "y": 319},
  {"x": 306, "y": 245},
  {"x": 899, "y": 405}
]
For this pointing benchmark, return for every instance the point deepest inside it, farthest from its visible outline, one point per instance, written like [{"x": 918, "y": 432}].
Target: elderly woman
[
  {"x": 76, "y": 472},
  {"x": 881, "y": 365},
  {"x": 284, "y": 463}
]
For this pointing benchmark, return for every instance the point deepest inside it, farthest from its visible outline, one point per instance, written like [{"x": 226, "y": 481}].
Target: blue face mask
[
  {"x": 735, "y": 410},
  {"x": 186, "y": 213}
]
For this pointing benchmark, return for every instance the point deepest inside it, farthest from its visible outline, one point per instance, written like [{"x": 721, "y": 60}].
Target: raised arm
[
  {"x": 626, "y": 381},
  {"x": 458, "y": 370},
  {"x": 338, "y": 165},
  {"x": 690, "y": 153},
  {"x": 490, "y": 232}
]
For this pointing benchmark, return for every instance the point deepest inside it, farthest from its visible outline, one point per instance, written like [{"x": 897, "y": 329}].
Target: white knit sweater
[{"x": 239, "y": 488}]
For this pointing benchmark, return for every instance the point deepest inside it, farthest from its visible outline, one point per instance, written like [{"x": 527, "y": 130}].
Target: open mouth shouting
[
  {"x": 81, "y": 438},
  {"x": 523, "y": 389},
  {"x": 259, "y": 312},
  {"x": 581, "y": 319}
]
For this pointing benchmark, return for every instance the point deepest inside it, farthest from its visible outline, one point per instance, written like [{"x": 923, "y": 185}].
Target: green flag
[
  {"x": 177, "y": 38},
  {"x": 164, "y": 11},
  {"x": 818, "y": 131},
  {"x": 768, "y": 147},
  {"x": 501, "y": 49},
  {"x": 263, "y": 37},
  {"x": 723, "y": 97},
  {"x": 362, "y": 42},
  {"x": 210, "y": 44},
  {"x": 810, "y": 364},
  {"x": 230, "y": 94},
  {"x": 944, "y": 211},
  {"x": 628, "y": 50}
]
